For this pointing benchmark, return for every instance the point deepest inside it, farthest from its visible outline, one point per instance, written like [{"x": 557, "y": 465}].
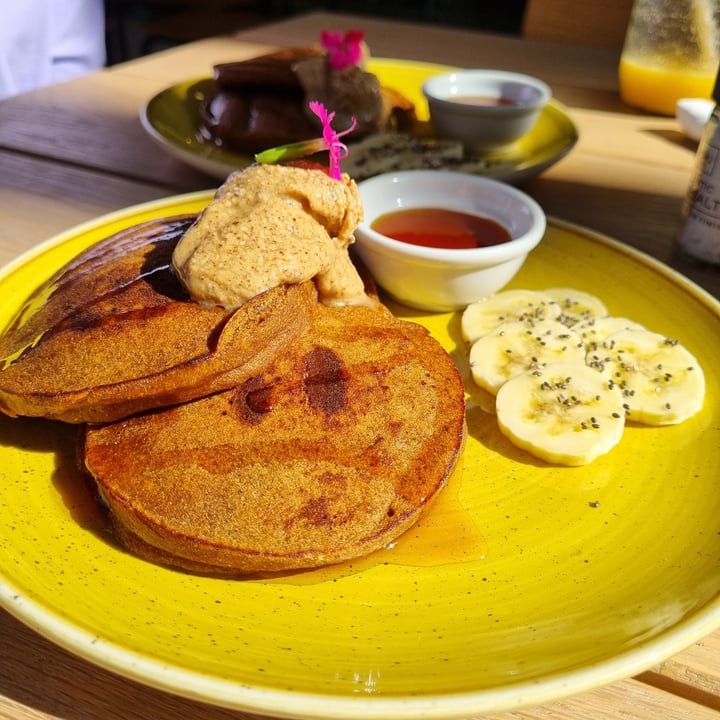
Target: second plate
[{"x": 172, "y": 119}]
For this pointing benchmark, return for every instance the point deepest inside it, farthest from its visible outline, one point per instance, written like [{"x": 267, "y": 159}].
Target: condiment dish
[
  {"x": 437, "y": 278},
  {"x": 486, "y": 110}
]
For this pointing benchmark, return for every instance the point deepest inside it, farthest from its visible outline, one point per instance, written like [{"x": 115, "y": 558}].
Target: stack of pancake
[{"x": 284, "y": 434}]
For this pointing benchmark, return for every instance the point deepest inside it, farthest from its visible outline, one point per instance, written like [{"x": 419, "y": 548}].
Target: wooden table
[{"x": 72, "y": 152}]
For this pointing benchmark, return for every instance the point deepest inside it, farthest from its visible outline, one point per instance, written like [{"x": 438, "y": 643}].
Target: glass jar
[
  {"x": 699, "y": 238},
  {"x": 671, "y": 51}
]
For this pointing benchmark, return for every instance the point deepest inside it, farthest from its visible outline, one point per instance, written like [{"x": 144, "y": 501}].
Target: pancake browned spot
[{"x": 325, "y": 380}]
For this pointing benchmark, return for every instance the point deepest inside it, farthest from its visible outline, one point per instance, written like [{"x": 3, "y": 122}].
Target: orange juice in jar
[{"x": 670, "y": 52}]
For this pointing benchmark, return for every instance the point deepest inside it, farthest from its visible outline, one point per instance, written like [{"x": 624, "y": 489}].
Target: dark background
[{"x": 139, "y": 27}]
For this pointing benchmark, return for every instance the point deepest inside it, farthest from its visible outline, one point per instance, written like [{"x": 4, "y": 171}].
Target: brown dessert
[{"x": 262, "y": 102}]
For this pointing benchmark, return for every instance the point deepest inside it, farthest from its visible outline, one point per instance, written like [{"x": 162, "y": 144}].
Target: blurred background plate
[
  {"x": 172, "y": 119},
  {"x": 525, "y": 583}
]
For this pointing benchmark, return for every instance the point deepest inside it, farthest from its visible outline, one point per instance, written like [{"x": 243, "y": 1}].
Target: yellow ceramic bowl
[{"x": 527, "y": 582}]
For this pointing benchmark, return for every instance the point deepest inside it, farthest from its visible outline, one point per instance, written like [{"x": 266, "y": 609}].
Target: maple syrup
[
  {"x": 441, "y": 228},
  {"x": 427, "y": 544}
]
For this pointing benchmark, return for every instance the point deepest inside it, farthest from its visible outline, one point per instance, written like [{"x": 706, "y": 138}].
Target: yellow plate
[
  {"x": 526, "y": 582},
  {"x": 172, "y": 119}
]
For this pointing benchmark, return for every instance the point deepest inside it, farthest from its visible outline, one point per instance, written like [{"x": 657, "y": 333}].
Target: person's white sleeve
[{"x": 48, "y": 41}]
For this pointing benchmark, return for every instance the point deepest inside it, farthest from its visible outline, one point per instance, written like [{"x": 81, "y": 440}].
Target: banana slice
[
  {"x": 485, "y": 315},
  {"x": 594, "y": 330},
  {"x": 661, "y": 381},
  {"x": 519, "y": 346},
  {"x": 577, "y": 305},
  {"x": 568, "y": 415},
  {"x": 518, "y": 337}
]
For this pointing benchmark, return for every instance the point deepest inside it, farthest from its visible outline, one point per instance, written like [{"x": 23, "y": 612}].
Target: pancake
[
  {"x": 114, "y": 332},
  {"x": 330, "y": 453}
]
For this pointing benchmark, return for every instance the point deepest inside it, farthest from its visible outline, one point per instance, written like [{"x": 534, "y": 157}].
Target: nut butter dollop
[{"x": 271, "y": 225}]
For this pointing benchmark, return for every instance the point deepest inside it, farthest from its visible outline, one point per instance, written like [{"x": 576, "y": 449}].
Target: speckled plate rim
[
  {"x": 526, "y": 159},
  {"x": 278, "y": 703},
  {"x": 296, "y": 706}
]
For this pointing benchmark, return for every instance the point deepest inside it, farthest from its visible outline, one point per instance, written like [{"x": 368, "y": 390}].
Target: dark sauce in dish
[
  {"x": 481, "y": 100},
  {"x": 441, "y": 228}
]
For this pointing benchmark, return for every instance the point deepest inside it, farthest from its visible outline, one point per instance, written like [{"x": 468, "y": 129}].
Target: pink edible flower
[
  {"x": 329, "y": 141},
  {"x": 344, "y": 50},
  {"x": 338, "y": 151}
]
